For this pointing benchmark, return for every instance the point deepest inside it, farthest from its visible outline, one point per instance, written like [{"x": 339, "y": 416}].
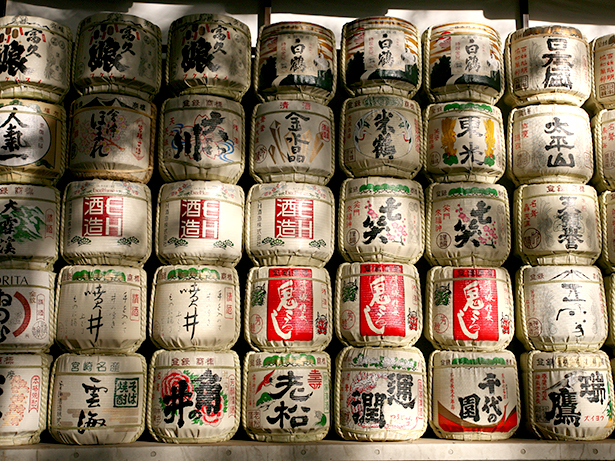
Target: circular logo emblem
[
  {"x": 348, "y": 319},
  {"x": 443, "y": 240},
  {"x": 534, "y": 327},
  {"x": 260, "y": 153},
  {"x": 440, "y": 323},
  {"x": 352, "y": 237},
  {"x": 531, "y": 238},
  {"x": 256, "y": 324}
]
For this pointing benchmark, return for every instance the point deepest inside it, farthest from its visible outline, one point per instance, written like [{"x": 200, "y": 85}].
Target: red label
[
  {"x": 382, "y": 301},
  {"x": 294, "y": 218},
  {"x": 35, "y": 393},
  {"x": 289, "y": 307},
  {"x": 103, "y": 216},
  {"x": 199, "y": 219},
  {"x": 475, "y": 305}
]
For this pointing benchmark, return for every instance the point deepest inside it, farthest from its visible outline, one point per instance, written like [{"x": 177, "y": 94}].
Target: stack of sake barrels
[
  {"x": 380, "y": 381},
  {"x": 474, "y": 385},
  {"x": 561, "y": 307},
  {"x": 289, "y": 235}
]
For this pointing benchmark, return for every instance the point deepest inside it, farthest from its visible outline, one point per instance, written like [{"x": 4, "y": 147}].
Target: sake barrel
[
  {"x": 285, "y": 397},
  {"x": 557, "y": 224},
  {"x": 547, "y": 64},
  {"x": 550, "y": 143},
  {"x": 201, "y": 137},
  {"x": 380, "y": 135},
  {"x": 609, "y": 288},
  {"x": 194, "y": 396},
  {"x": 209, "y": 54},
  {"x": 381, "y": 220},
  {"x": 607, "y": 218},
  {"x": 561, "y": 308},
  {"x": 380, "y": 54},
  {"x": 292, "y": 141},
  {"x": 106, "y": 222},
  {"x": 112, "y": 137},
  {"x": 36, "y": 58},
  {"x": 97, "y": 399},
  {"x": 23, "y": 404},
  {"x": 30, "y": 217},
  {"x": 474, "y": 395},
  {"x": 195, "y": 308},
  {"x": 28, "y": 310},
  {"x": 603, "y": 130},
  {"x": 34, "y": 142},
  {"x": 118, "y": 53},
  {"x": 101, "y": 309},
  {"x": 380, "y": 394},
  {"x": 289, "y": 224},
  {"x": 463, "y": 61},
  {"x": 468, "y": 224},
  {"x": 200, "y": 222},
  {"x": 288, "y": 309},
  {"x": 569, "y": 395},
  {"x": 603, "y": 83},
  {"x": 469, "y": 308},
  {"x": 295, "y": 60},
  {"x": 464, "y": 141},
  {"x": 378, "y": 305}
]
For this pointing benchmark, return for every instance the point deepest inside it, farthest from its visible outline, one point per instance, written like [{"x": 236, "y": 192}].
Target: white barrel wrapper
[
  {"x": 380, "y": 394},
  {"x": 468, "y": 224},
  {"x": 607, "y": 215},
  {"x": 603, "y": 83},
  {"x": 97, "y": 399},
  {"x": 194, "y": 397},
  {"x": 469, "y": 308},
  {"x": 378, "y": 304},
  {"x": 292, "y": 141},
  {"x": 23, "y": 402},
  {"x": 569, "y": 395},
  {"x": 474, "y": 395},
  {"x": 101, "y": 309},
  {"x": 286, "y": 397},
  {"x": 106, "y": 222},
  {"x": 195, "y": 308},
  {"x": 201, "y": 137},
  {"x": 557, "y": 224},
  {"x": 381, "y": 219},
  {"x": 200, "y": 222},
  {"x": 609, "y": 288},
  {"x": 288, "y": 309},
  {"x": 561, "y": 308},
  {"x": 603, "y": 129}
]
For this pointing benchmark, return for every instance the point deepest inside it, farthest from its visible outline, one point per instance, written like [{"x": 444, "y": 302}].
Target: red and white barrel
[
  {"x": 603, "y": 83},
  {"x": 30, "y": 217},
  {"x": 23, "y": 406},
  {"x": 468, "y": 224},
  {"x": 464, "y": 141},
  {"x": 380, "y": 135},
  {"x": 381, "y": 54},
  {"x": 547, "y": 64},
  {"x": 112, "y": 137},
  {"x": 118, "y": 53},
  {"x": 463, "y": 62},
  {"x": 469, "y": 308},
  {"x": 557, "y": 224},
  {"x": 106, "y": 222},
  {"x": 289, "y": 224},
  {"x": 209, "y": 54},
  {"x": 37, "y": 58},
  {"x": 286, "y": 397},
  {"x": 550, "y": 143},
  {"x": 201, "y": 137},
  {"x": 378, "y": 305},
  {"x": 97, "y": 399},
  {"x": 295, "y": 60},
  {"x": 568, "y": 395},
  {"x": 195, "y": 308},
  {"x": 33, "y": 149},
  {"x": 101, "y": 309},
  {"x": 193, "y": 397},
  {"x": 292, "y": 141},
  {"x": 381, "y": 219},
  {"x": 603, "y": 130},
  {"x": 380, "y": 394},
  {"x": 200, "y": 222},
  {"x": 474, "y": 395},
  {"x": 28, "y": 310},
  {"x": 288, "y": 309},
  {"x": 561, "y": 308}
]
